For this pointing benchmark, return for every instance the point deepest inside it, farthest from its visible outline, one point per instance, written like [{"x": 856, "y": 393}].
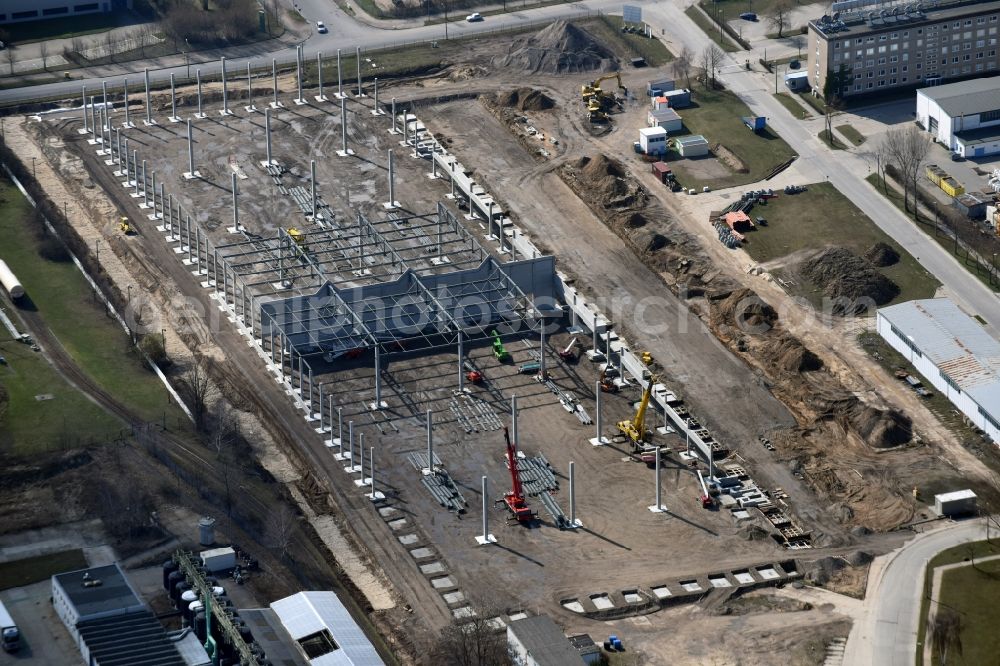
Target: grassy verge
[
  {"x": 717, "y": 114},
  {"x": 788, "y": 231},
  {"x": 963, "y": 592},
  {"x": 64, "y": 299},
  {"x": 33, "y": 569},
  {"x": 793, "y": 107},
  {"x": 945, "y": 241},
  {"x": 650, "y": 48},
  {"x": 458, "y": 15},
  {"x": 816, "y": 103},
  {"x": 937, "y": 403},
  {"x": 830, "y": 141},
  {"x": 295, "y": 17},
  {"x": 851, "y": 134},
  {"x": 710, "y": 29}
]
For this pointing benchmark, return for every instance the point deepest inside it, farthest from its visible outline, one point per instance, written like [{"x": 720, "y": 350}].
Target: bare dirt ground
[{"x": 530, "y": 569}]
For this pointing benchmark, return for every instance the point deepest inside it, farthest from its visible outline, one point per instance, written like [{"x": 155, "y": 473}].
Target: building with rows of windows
[
  {"x": 16, "y": 11},
  {"x": 875, "y": 47}
]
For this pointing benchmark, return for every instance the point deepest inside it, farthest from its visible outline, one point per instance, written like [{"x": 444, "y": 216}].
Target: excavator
[
  {"x": 514, "y": 498},
  {"x": 607, "y": 384},
  {"x": 499, "y": 351},
  {"x": 635, "y": 429},
  {"x": 125, "y": 226},
  {"x": 600, "y": 103}
]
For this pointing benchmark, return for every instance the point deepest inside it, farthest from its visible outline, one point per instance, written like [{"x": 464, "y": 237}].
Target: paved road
[
  {"x": 845, "y": 169},
  {"x": 885, "y": 634},
  {"x": 346, "y": 33}
]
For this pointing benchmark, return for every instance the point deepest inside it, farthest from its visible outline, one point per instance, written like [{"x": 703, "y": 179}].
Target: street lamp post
[{"x": 187, "y": 59}]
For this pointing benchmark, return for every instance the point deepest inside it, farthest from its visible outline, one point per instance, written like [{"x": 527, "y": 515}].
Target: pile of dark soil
[
  {"x": 559, "y": 48},
  {"x": 746, "y": 310},
  {"x": 609, "y": 183},
  {"x": 882, "y": 254},
  {"x": 880, "y": 428},
  {"x": 845, "y": 276},
  {"x": 526, "y": 99},
  {"x": 790, "y": 355}
]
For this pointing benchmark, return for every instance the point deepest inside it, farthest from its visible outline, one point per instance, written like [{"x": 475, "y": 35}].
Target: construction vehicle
[
  {"x": 125, "y": 226},
  {"x": 472, "y": 373},
  {"x": 514, "y": 498},
  {"x": 568, "y": 354},
  {"x": 296, "y": 236},
  {"x": 531, "y": 368},
  {"x": 600, "y": 103},
  {"x": 499, "y": 351},
  {"x": 607, "y": 385},
  {"x": 635, "y": 429},
  {"x": 708, "y": 500},
  {"x": 594, "y": 87}
]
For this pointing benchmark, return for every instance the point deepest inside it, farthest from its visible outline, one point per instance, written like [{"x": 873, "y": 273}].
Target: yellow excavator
[
  {"x": 125, "y": 226},
  {"x": 599, "y": 103},
  {"x": 635, "y": 428},
  {"x": 594, "y": 87}
]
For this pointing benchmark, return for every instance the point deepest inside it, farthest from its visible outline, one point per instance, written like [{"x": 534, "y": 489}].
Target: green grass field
[
  {"x": 711, "y": 29},
  {"x": 831, "y": 142},
  {"x": 793, "y": 107},
  {"x": 717, "y": 114},
  {"x": 33, "y": 569},
  {"x": 973, "y": 594},
  {"x": 896, "y": 197},
  {"x": 608, "y": 28},
  {"x": 63, "y": 298},
  {"x": 823, "y": 216},
  {"x": 852, "y": 135}
]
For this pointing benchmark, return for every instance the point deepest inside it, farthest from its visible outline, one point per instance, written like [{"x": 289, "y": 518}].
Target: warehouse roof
[
  {"x": 325, "y": 630},
  {"x": 692, "y": 140},
  {"x": 544, "y": 641},
  {"x": 124, "y": 640},
  {"x": 98, "y": 590},
  {"x": 965, "y": 97},
  {"x": 955, "y": 342}
]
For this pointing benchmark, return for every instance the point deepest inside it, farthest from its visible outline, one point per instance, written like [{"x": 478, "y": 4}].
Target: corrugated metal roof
[
  {"x": 126, "y": 640},
  {"x": 694, "y": 140},
  {"x": 956, "y": 343},
  {"x": 545, "y": 641},
  {"x": 307, "y": 613},
  {"x": 966, "y": 97},
  {"x": 955, "y": 495}
]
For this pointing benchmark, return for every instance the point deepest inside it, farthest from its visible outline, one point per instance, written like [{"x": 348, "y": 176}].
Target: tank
[
  {"x": 169, "y": 567},
  {"x": 178, "y": 590},
  {"x": 206, "y": 531},
  {"x": 172, "y": 579},
  {"x": 199, "y": 625},
  {"x": 218, "y": 591},
  {"x": 191, "y": 609},
  {"x": 10, "y": 281},
  {"x": 188, "y": 596}
]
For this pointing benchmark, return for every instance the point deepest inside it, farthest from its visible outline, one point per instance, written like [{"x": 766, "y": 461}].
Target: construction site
[{"x": 509, "y": 362}]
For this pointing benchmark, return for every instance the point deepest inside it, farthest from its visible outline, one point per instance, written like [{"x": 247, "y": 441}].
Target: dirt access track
[{"x": 623, "y": 545}]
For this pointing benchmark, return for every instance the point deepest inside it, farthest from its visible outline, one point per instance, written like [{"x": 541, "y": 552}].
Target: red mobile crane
[{"x": 514, "y": 498}]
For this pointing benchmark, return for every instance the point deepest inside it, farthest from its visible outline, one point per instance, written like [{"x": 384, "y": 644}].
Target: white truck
[{"x": 9, "y": 633}]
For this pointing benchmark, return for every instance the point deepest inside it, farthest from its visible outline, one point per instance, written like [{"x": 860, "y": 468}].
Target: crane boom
[
  {"x": 514, "y": 498},
  {"x": 635, "y": 429}
]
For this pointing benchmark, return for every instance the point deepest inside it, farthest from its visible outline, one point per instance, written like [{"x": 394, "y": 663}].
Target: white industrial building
[
  {"x": 653, "y": 140},
  {"x": 15, "y": 11},
  {"x": 953, "y": 352},
  {"x": 666, "y": 118},
  {"x": 538, "y": 641},
  {"x": 964, "y": 116},
  {"x": 110, "y": 625}
]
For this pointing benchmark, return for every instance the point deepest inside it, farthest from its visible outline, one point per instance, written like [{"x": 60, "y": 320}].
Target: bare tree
[
  {"x": 682, "y": 65},
  {"x": 781, "y": 16},
  {"x": 704, "y": 66},
  {"x": 197, "y": 389},
  {"x": 43, "y": 51},
  {"x": 946, "y": 633},
  {"x": 475, "y": 642},
  {"x": 279, "y": 527},
  {"x": 906, "y": 149},
  {"x": 711, "y": 58},
  {"x": 272, "y": 8},
  {"x": 9, "y": 54}
]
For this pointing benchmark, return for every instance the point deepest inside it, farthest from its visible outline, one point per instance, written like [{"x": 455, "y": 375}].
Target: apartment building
[{"x": 866, "y": 47}]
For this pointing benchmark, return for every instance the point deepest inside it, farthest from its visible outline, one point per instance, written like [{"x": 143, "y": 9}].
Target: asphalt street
[{"x": 885, "y": 634}]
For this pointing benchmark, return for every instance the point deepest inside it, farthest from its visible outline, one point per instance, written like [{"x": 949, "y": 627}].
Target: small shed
[
  {"x": 797, "y": 81},
  {"x": 663, "y": 172},
  {"x": 971, "y": 205},
  {"x": 538, "y": 641},
  {"x": 692, "y": 146},
  {"x": 666, "y": 118},
  {"x": 657, "y": 88},
  {"x": 957, "y": 503},
  {"x": 678, "y": 99},
  {"x": 653, "y": 140}
]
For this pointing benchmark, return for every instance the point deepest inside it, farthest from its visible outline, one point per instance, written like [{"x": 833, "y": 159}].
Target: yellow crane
[{"x": 635, "y": 429}]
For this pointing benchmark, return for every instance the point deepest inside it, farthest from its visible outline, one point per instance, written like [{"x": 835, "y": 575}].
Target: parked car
[
  {"x": 748, "y": 16},
  {"x": 794, "y": 64},
  {"x": 474, "y": 17},
  {"x": 321, "y": 28}
]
